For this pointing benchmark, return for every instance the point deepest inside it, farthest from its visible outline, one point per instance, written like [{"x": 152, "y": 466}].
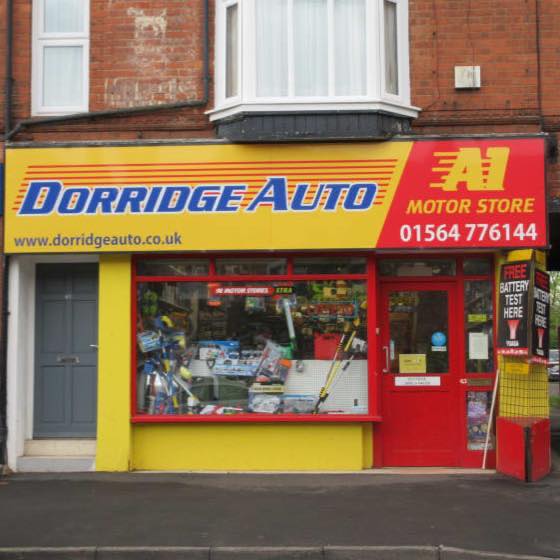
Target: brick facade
[{"x": 150, "y": 52}]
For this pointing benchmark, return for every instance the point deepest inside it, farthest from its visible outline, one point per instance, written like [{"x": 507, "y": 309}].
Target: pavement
[
  {"x": 353, "y": 516},
  {"x": 431, "y": 514}
]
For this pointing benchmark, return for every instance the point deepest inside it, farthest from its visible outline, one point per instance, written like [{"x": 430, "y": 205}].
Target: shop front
[{"x": 273, "y": 307}]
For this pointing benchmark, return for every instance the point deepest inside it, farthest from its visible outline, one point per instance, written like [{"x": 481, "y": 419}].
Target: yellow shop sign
[{"x": 265, "y": 197}]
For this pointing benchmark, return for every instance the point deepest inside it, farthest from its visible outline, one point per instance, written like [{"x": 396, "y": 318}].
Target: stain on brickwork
[{"x": 156, "y": 51}]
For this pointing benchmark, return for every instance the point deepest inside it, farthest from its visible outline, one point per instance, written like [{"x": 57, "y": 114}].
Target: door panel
[
  {"x": 419, "y": 351},
  {"x": 66, "y": 356}
]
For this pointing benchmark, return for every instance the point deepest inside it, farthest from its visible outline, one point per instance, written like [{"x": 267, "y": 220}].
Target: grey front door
[{"x": 66, "y": 351}]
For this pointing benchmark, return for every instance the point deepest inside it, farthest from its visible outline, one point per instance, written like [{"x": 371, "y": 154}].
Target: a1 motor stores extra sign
[{"x": 390, "y": 195}]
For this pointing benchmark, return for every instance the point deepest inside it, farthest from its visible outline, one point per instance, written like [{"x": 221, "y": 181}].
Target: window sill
[
  {"x": 63, "y": 112},
  {"x": 313, "y": 122},
  {"x": 228, "y": 110},
  {"x": 255, "y": 418}
]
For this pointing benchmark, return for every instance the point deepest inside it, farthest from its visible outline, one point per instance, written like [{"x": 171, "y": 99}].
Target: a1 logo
[{"x": 469, "y": 168}]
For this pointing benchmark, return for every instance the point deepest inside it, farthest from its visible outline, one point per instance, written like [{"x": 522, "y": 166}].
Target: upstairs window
[
  {"x": 289, "y": 54},
  {"x": 60, "y": 56}
]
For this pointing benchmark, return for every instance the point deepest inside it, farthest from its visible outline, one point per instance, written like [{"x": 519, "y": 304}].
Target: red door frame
[
  {"x": 449, "y": 380},
  {"x": 466, "y": 458}
]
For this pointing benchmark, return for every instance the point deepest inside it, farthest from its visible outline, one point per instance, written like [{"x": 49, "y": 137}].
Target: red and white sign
[{"x": 255, "y": 291}]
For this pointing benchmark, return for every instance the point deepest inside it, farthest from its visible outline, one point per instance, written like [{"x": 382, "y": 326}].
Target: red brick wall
[
  {"x": 497, "y": 35},
  {"x": 141, "y": 53},
  {"x": 149, "y": 52}
]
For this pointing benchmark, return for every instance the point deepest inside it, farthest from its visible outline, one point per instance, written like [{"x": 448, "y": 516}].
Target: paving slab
[{"x": 485, "y": 513}]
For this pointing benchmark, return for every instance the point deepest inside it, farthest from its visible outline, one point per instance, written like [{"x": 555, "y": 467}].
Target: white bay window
[
  {"x": 60, "y": 56},
  {"x": 295, "y": 55}
]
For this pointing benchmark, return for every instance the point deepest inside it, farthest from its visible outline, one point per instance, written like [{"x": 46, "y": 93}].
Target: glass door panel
[{"x": 419, "y": 331}]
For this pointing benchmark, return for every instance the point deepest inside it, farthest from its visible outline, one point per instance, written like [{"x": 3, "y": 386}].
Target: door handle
[
  {"x": 386, "y": 368},
  {"x": 94, "y": 346}
]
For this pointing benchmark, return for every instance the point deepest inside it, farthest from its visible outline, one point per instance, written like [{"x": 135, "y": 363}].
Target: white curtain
[
  {"x": 272, "y": 47},
  {"x": 62, "y": 76},
  {"x": 310, "y": 48},
  {"x": 64, "y": 16},
  {"x": 391, "y": 54},
  {"x": 232, "y": 51},
  {"x": 350, "y": 47}
]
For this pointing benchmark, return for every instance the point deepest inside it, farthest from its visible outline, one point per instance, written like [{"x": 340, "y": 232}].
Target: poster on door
[
  {"x": 540, "y": 317},
  {"x": 513, "y": 325}
]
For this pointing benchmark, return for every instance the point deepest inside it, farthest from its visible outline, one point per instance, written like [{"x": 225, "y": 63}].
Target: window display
[
  {"x": 479, "y": 320},
  {"x": 478, "y": 415},
  {"x": 260, "y": 347}
]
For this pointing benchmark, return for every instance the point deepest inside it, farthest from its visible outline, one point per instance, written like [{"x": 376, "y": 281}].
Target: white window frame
[
  {"x": 41, "y": 40},
  {"x": 375, "y": 99}
]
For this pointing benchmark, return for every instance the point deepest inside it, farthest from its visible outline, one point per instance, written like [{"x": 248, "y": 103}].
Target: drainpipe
[
  {"x": 4, "y": 302},
  {"x": 202, "y": 102}
]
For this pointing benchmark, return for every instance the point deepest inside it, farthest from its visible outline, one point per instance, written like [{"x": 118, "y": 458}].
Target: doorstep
[
  {"x": 57, "y": 455},
  {"x": 62, "y": 464},
  {"x": 59, "y": 447}
]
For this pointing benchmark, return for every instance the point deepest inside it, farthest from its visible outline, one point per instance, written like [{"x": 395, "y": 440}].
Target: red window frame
[{"x": 369, "y": 277}]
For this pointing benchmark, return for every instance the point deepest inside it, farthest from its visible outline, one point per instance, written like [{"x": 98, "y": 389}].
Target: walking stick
[{"x": 492, "y": 407}]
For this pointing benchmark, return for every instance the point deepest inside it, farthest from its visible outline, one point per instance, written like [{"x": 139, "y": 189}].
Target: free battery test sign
[
  {"x": 513, "y": 327},
  {"x": 540, "y": 317},
  {"x": 524, "y": 305}
]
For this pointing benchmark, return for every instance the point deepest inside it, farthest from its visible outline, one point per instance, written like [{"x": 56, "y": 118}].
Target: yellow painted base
[{"x": 252, "y": 447}]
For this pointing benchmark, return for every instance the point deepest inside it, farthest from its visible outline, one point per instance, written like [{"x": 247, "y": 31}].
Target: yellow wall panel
[
  {"x": 113, "y": 400},
  {"x": 238, "y": 447}
]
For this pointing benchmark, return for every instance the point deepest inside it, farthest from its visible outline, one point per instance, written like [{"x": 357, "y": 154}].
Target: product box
[
  {"x": 299, "y": 404},
  {"x": 265, "y": 399},
  {"x": 148, "y": 341},
  {"x": 212, "y": 349}
]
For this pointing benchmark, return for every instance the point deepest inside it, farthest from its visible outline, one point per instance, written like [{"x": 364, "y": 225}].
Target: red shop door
[{"x": 420, "y": 375}]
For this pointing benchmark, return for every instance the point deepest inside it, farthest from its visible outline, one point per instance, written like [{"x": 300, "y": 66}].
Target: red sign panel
[{"x": 469, "y": 193}]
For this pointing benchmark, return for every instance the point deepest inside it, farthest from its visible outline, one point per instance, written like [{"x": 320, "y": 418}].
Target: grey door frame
[{"x": 89, "y": 359}]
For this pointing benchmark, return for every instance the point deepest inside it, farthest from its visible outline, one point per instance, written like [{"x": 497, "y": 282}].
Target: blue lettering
[
  {"x": 171, "y": 204},
  {"x": 32, "y": 206},
  {"x": 203, "y": 199},
  {"x": 367, "y": 191},
  {"x": 104, "y": 198},
  {"x": 131, "y": 196},
  {"x": 230, "y": 195},
  {"x": 275, "y": 193},
  {"x": 335, "y": 191},
  {"x": 298, "y": 199},
  {"x": 152, "y": 199},
  {"x": 73, "y": 201}
]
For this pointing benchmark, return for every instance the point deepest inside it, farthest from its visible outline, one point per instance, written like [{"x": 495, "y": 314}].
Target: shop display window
[
  {"x": 327, "y": 265},
  {"x": 478, "y": 415},
  {"x": 477, "y": 267},
  {"x": 259, "y": 347},
  {"x": 479, "y": 332},
  {"x": 428, "y": 267},
  {"x": 173, "y": 267},
  {"x": 250, "y": 267}
]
